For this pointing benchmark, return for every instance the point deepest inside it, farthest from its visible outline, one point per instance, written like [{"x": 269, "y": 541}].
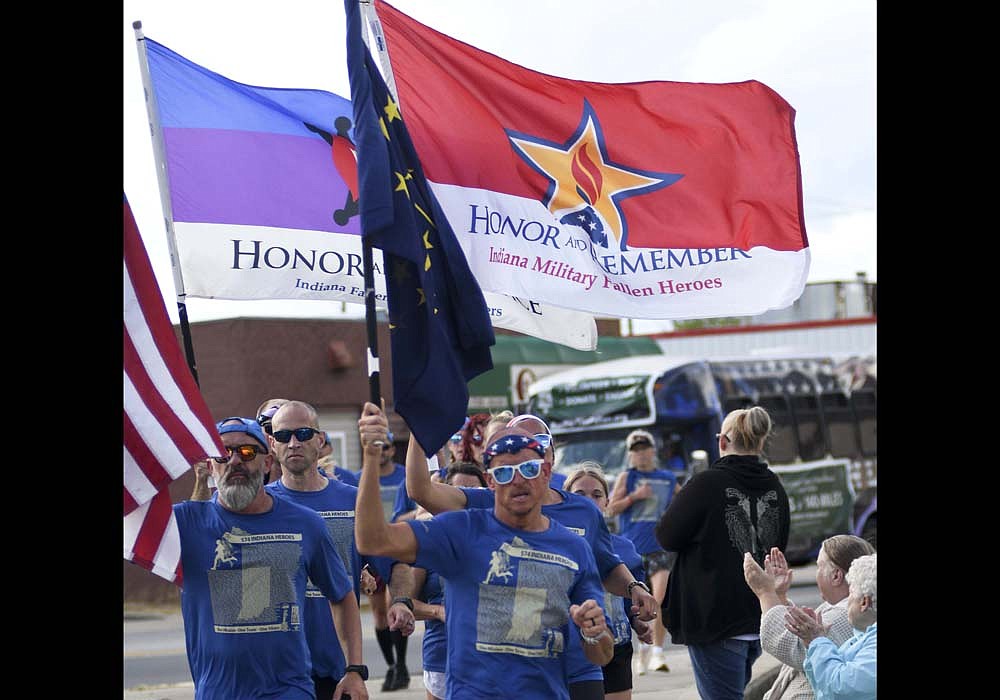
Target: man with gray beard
[{"x": 246, "y": 557}]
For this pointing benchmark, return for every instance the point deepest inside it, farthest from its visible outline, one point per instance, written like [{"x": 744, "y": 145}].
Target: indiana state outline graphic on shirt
[
  {"x": 247, "y": 596},
  {"x": 524, "y": 601},
  {"x": 650, "y": 509}
]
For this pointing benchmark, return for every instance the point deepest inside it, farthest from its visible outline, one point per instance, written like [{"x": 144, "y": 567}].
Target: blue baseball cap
[{"x": 246, "y": 425}]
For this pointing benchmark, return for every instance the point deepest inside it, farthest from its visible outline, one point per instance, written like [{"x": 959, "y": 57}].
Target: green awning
[{"x": 518, "y": 359}]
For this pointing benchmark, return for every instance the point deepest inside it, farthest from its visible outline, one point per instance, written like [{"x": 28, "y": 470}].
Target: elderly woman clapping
[{"x": 846, "y": 672}]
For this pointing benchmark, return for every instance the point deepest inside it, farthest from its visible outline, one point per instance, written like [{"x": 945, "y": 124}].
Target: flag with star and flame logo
[
  {"x": 439, "y": 324},
  {"x": 661, "y": 200}
]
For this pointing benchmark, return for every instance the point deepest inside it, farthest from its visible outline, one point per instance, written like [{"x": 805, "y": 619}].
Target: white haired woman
[
  {"x": 836, "y": 554},
  {"x": 847, "y": 672}
]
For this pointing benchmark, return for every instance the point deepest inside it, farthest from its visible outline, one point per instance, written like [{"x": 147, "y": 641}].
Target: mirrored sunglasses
[
  {"x": 456, "y": 438},
  {"x": 301, "y": 434},
  {"x": 544, "y": 439},
  {"x": 247, "y": 453},
  {"x": 529, "y": 470}
]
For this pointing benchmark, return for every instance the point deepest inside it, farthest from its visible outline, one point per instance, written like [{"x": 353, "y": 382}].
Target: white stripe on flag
[
  {"x": 159, "y": 374},
  {"x": 138, "y": 486},
  {"x": 168, "y": 554},
  {"x": 152, "y": 432}
]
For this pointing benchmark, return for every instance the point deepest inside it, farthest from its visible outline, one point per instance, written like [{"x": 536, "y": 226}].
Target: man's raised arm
[
  {"x": 372, "y": 534},
  {"x": 435, "y": 497}
]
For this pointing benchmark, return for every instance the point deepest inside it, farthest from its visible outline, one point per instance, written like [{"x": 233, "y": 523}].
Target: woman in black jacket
[{"x": 735, "y": 506}]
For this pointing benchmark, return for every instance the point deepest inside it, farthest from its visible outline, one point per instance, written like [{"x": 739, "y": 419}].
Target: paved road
[{"x": 155, "y": 665}]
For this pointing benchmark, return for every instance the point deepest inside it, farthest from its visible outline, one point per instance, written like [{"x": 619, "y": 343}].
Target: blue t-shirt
[
  {"x": 244, "y": 596},
  {"x": 335, "y": 504},
  {"x": 390, "y": 486},
  {"x": 619, "y": 609},
  {"x": 403, "y": 503},
  {"x": 509, "y": 593},
  {"x": 580, "y": 515},
  {"x": 557, "y": 481},
  {"x": 344, "y": 475},
  {"x": 638, "y": 521},
  {"x": 435, "y": 645}
]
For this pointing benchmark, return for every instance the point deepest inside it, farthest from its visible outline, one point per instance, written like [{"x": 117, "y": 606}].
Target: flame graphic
[{"x": 587, "y": 175}]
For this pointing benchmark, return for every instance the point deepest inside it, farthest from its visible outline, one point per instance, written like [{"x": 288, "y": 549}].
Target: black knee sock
[
  {"x": 399, "y": 642},
  {"x": 385, "y": 644}
]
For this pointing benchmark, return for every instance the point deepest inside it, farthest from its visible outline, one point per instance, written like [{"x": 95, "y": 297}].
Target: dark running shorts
[
  {"x": 658, "y": 561},
  {"x": 618, "y": 672},
  {"x": 586, "y": 690}
]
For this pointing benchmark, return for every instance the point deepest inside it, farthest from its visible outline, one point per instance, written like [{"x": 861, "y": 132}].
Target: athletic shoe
[
  {"x": 657, "y": 662},
  {"x": 390, "y": 679},
  {"x": 642, "y": 659},
  {"x": 400, "y": 678}
]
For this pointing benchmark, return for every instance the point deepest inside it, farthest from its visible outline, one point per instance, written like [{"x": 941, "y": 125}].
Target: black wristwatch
[
  {"x": 633, "y": 584},
  {"x": 408, "y": 602},
  {"x": 359, "y": 669}
]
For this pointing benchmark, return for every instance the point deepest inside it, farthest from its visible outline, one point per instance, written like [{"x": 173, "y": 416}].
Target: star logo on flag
[{"x": 585, "y": 187}]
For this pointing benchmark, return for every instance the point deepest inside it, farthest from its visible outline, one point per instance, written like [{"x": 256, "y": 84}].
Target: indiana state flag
[{"x": 439, "y": 324}]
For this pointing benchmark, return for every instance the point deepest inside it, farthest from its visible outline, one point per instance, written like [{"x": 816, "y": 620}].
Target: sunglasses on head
[
  {"x": 301, "y": 434},
  {"x": 529, "y": 470},
  {"x": 265, "y": 418},
  {"x": 544, "y": 439},
  {"x": 247, "y": 453}
]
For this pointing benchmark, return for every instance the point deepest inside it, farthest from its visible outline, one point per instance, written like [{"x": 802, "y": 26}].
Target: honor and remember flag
[
  {"x": 167, "y": 426},
  {"x": 263, "y": 187},
  {"x": 439, "y": 323},
  {"x": 658, "y": 200}
]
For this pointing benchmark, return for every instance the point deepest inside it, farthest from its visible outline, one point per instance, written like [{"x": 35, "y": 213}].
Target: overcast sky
[{"x": 819, "y": 55}]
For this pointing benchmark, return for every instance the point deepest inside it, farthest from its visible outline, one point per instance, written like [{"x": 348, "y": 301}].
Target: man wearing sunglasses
[
  {"x": 516, "y": 578},
  {"x": 297, "y": 443},
  {"x": 246, "y": 558},
  {"x": 579, "y": 514},
  {"x": 537, "y": 427}
]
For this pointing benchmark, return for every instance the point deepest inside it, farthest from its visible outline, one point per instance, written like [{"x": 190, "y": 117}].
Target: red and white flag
[
  {"x": 166, "y": 423},
  {"x": 661, "y": 200}
]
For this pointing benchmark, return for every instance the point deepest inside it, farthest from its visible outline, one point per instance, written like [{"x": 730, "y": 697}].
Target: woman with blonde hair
[
  {"x": 734, "y": 507},
  {"x": 588, "y": 480}
]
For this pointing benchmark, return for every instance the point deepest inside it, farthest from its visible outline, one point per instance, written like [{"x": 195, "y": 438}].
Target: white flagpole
[
  {"x": 368, "y": 11},
  {"x": 159, "y": 155}
]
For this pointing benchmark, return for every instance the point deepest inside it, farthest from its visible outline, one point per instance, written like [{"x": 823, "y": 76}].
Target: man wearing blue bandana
[
  {"x": 579, "y": 514},
  {"x": 521, "y": 586},
  {"x": 247, "y": 555}
]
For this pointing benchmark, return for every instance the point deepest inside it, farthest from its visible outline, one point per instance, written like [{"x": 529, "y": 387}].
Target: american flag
[{"x": 166, "y": 423}]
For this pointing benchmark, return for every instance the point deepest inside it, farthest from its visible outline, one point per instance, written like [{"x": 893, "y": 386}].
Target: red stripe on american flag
[
  {"x": 147, "y": 544},
  {"x": 129, "y": 503},
  {"x": 175, "y": 428},
  {"x": 143, "y": 456}
]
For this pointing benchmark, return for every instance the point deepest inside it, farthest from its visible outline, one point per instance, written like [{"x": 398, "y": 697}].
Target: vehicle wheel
[{"x": 868, "y": 532}]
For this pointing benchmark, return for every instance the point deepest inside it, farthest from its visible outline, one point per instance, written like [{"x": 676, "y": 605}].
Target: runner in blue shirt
[
  {"x": 588, "y": 480},
  {"x": 639, "y": 497},
  {"x": 246, "y": 556},
  {"x": 302, "y": 483},
  {"x": 577, "y": 513},
  {"x": 515, "y": 577},
  {"x": 392, "y": 643}
]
